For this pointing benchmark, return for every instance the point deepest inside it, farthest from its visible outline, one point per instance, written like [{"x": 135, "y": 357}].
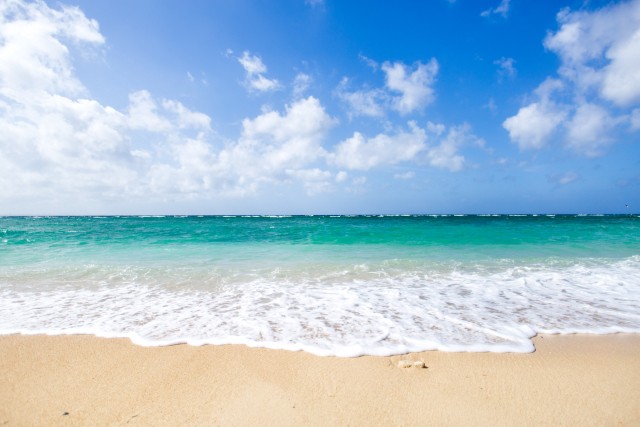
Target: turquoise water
[{"x": 331, "y": 285}]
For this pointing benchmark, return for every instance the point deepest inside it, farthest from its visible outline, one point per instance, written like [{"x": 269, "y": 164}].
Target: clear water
[{"x": 344, "y": 286}]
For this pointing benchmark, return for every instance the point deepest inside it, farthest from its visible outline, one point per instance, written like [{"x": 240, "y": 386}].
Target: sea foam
[{"x": 343, "y": 309}]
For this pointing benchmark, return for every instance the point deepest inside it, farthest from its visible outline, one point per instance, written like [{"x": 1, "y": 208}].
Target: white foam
[{"x": 342, "y": 310}]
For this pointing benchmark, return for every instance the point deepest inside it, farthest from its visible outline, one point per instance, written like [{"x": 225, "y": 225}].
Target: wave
[{"x": 361, "y": 309}]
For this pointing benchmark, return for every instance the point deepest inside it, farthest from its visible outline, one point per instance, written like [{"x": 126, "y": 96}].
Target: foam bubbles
[{"x": 382, "y": 308}]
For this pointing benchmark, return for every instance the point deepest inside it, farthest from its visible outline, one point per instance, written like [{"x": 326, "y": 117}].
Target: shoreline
[{"x": 83, "y": 380}]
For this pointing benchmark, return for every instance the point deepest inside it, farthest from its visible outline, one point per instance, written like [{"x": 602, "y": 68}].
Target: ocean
[{"x": 330, "y": 285}]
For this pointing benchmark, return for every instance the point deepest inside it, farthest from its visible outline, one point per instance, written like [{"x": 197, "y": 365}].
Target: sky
[{"x": 319, "y": 107}]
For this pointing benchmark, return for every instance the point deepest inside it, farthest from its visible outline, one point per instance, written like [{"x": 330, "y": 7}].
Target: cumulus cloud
[
  {"x": 288, "y": 140},
  {"x": 61, "y": 147},
  {"x": 599, "y": 49},
  {"x": 255, "y": 70},
  {"x": 45, "y": 133},
  {"x": 55, "y": 143},
  {"x": 589, "y": 129},
  {"x": 435, "y": 145},
  {"x": 362, "y": 153},
  {"x": 406, "y": 90},
  {"x": 600, "y": 74},
  {"x": 274, "y": 147},
  {"x": 314, "y": 180},
  {"x": 341, "y": 176},
  {"x": 366, "y": 102},
  {"x": 445, "y": 154},
  {"x": 143, "y": 113},
  {"x": 621, "y": 82},
  {"x": 414, "y": 85},
  {"x": 33, "y": 59},
  {"x": 534, "y": 124}
]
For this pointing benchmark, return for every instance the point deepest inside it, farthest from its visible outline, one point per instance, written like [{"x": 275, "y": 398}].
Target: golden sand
[{"x": 82, "y": 380}]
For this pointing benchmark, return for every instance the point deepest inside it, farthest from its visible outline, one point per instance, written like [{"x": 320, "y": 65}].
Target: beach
[
  {"x": 296, "y": 320},
  {"x": 312, "y": 213},
  {"x": 85, "y": 380}
]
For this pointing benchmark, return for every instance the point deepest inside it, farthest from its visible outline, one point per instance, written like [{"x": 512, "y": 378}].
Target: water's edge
[{"x": 341, "y": 286}]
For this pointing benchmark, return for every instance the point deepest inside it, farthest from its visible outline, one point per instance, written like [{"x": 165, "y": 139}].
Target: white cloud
[
  {"x": 305, "y": 119},
  {"x": 143, "y": 113},
  {"x": 263, "y": 84},
  {"x": 600, "y": 66},
  {"x": 599, "y": 50},
  {"x": 445, "y": 153},
  {"x": 59, "y": 147},
  {"x": 51, "y": 143},
  {"x": 361, "y": 153},
  {"x": 534, "y": 124},
  {"x": 274, "y": 147},
  {"x": 414, "y": 86},
  {"x": 188, "y": 170},
  {"x": 33, "y": 59},
  {"x": 436, "y": 129},
  {"x": 314, "y": 180},
  {"x": 361, "y": 102},
  {"x": 252, "y": 64},
  {"x": 406, "y": 89},
  {"x": 589, "y": 129},
  {"x": 548, "y": 88},
  {"x": 255, "y": 69},
  {"x": 502, "y": 9},
  {"x": 506, "y": 68},
  {"x": 435, "y": 145},
  {"x": 185, "y": 118},
  {"x": 301, "y": 83},
  {"x": 370, "y": 62},
  {"x": 341, "y": 176},
  {"x": 292, "y": 139},
  {"x": 168, "y": 116},
  {"x": 621, "y": 83}
]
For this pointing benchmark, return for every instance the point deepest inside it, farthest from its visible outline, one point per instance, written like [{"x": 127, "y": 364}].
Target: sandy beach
[{"x": 84, "y": 380}]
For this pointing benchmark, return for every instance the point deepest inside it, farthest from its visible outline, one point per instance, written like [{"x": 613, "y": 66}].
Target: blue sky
[{"x": 311, "y": 107}]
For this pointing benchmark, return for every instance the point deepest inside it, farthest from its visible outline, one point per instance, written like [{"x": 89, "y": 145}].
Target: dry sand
[{"x": 82, "y": 380}]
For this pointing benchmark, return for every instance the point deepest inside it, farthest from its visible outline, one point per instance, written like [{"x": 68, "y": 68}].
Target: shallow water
[{"x": 330, "y": 285}]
